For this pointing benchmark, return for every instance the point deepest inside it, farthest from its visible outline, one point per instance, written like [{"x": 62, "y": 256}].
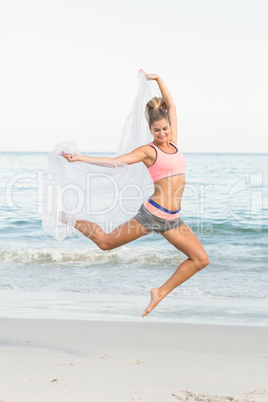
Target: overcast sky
[{"x": 68, "y": 71}]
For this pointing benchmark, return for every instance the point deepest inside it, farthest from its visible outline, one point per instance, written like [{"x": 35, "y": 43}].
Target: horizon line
[{"x": 189, "y": 152}]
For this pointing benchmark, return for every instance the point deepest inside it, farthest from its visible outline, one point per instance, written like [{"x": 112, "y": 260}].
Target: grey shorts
[{"x": 154, "y": 223}]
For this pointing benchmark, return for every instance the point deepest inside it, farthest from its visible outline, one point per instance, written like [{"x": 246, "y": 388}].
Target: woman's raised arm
[
  {"x": 163, "y": 88},
  {"x": 169, "y": 102}
]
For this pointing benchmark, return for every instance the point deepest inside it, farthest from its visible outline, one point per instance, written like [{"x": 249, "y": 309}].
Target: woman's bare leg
[
  {"x": 184, "y": 239},
  {"x": 125, "y": 233}
]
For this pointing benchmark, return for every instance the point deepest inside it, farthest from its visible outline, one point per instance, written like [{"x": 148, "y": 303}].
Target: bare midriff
[{"x": 168, "y": 192}]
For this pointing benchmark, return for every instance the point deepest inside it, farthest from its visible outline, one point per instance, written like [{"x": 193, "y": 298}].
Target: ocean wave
[
  {"x": 192, "y": 294},
  {"x": 228, "y": 226},
  {"x": 144, "y": 256}
]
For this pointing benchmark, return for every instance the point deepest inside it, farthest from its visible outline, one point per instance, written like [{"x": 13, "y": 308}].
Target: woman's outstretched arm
[{"x": 137, "y": 155}]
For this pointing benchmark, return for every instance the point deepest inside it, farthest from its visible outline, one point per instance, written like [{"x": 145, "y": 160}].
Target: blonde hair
[{"x": 155, "y": 110}]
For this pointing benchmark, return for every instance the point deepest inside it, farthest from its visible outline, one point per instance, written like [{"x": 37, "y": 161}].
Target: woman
[{"x": 160, "y": 213}]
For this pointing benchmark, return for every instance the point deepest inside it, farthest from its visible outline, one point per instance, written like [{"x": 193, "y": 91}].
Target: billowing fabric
[{"x": 106, "y": 195}]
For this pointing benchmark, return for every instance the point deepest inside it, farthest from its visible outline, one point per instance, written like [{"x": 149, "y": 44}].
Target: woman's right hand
[
  {"x": 149, "y": 76},
  {"x": 71, "y": 157}
]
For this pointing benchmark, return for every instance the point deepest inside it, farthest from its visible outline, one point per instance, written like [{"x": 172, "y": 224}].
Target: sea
[{"x": 225, "y": 203}]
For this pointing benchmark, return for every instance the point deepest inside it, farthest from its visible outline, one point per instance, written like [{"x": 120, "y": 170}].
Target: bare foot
[
  {"x": 63, "y": 218},
  {"x": 155, "y": 299}
]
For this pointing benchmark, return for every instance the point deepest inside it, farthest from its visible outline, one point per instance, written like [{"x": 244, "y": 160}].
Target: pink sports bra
[{"x": 165, "y": 164}]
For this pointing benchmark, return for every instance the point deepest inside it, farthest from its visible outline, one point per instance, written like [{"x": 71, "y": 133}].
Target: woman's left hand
[
  {"x": 149, "y": 76},
  {"x": 71, "y": 157}
]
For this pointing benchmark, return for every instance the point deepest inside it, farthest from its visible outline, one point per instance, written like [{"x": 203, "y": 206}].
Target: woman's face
[{"x": 160, "y": 130}]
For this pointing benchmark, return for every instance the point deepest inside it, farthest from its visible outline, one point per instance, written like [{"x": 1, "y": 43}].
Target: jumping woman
[{"x": 161, "y": 212}]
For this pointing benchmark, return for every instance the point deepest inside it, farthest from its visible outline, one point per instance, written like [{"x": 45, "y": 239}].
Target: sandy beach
[{"x": 60, "y": 360}]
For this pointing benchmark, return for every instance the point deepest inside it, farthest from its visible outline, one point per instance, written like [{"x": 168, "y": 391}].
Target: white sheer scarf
[{"x": 105, "y": 195}]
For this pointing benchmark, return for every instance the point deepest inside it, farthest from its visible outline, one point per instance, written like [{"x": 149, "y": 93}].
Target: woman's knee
[
  {"x": 201, "y": 261},
  {"x": 104, "y": 242},
  {"x": 104, "y": 245}
]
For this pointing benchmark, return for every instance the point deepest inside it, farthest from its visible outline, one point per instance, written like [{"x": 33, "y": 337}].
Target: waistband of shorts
[{"x": 161, "y": 213}]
